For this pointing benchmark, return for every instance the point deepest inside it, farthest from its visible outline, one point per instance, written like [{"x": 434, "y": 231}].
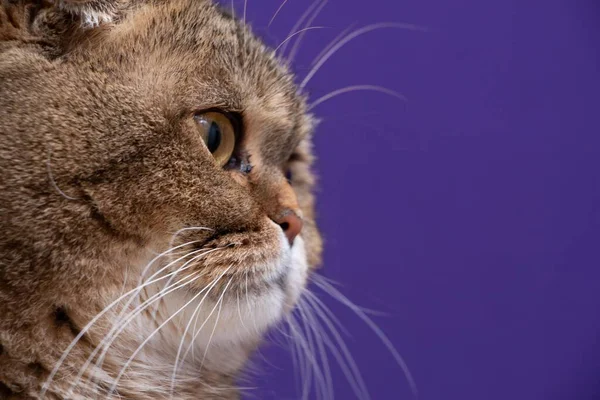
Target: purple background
[{"x": 470, "y": 214}]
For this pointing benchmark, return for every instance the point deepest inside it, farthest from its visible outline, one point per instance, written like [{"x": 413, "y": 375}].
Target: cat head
[{"x": 156, "y": 143}]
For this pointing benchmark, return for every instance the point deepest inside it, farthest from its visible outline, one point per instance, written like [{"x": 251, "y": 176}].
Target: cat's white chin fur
[{"x": 240, "y": 320}]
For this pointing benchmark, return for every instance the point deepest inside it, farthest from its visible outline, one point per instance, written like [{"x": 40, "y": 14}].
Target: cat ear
[
  {"x": 91, "y": 13},
  {"x": 31, "y": 20}
]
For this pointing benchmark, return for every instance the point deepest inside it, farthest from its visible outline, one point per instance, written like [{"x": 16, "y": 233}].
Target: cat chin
[
  {"x": 225, "y": 332},
  {"x": 246, "y": 315}
]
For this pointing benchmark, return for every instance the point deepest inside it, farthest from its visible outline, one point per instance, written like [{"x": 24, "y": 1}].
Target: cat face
[{"x": 155, "y": 147}]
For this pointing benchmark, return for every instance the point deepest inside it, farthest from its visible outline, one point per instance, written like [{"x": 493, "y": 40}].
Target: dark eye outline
[
  {"x": 287, "y": 169},
  {"x": 239, "y": 159}
]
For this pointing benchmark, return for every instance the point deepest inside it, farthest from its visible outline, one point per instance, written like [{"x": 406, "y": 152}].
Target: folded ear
[
  {"x": 53, "y": 23},
  {"x": 91, "y": 13}
]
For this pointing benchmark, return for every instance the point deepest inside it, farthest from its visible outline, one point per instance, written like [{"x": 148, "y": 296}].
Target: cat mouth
[
  {"x": 241, "y": 280},
  {"x": 258, "y": 261}
]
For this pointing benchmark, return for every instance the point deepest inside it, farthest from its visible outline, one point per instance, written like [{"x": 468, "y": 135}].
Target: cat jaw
[
  {"x": 233, "y": 322},
  {"x": 210, "y": 340}
]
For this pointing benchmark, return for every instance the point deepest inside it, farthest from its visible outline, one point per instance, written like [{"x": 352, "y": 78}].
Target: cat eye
[{"x": 218, "y": 134}]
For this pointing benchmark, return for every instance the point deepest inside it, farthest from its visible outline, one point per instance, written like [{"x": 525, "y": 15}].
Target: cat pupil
[{"x": 214, "y": 137}]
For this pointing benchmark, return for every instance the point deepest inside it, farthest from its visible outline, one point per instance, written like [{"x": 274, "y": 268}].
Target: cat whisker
[
  {"x": 297, "y": 33},
  {"x": 188, "y": 264},
  {"x": 163, "y": 254},
  {"x": 83, "y": 331},
  {"x": 326, "y": 390},
  {"x": 306, "y": 333},
  {"x": 344, "y": 359},
  {"x": 125, "y": 278},
  {"x": 53, "y": 181},
  {"x": 220, "y": 304},
  {"x": 141, "y": 346},
  {"x": 147, "y": 268},
  {"x": 240, "y": 311},
  {"x": 300, "y": 21},
  {"x": 332, "y": 43},
  {"x": 124, "y": 318},
  {"x": 328, "y": 312},
  {"x": 173, "y": 276},
  {"x": 311, "y": 361},
  {"x": 356, "y": 88},
  {"x": 303, "y": 359},
  {"x": 312, "y": 339},
  {"x": 349, "y": 37},
  {"x": 298, "y": 43},
  {"x": 117, "y": 329},
  {"x": 248, "y": 302},
  {"x": 190, "y": 228},
  {"x": 194, "y": 335},
  {"x": 294, "y": 351},
  {"x": 336, "y": 294},
  {"x": 276, "y": 13}
]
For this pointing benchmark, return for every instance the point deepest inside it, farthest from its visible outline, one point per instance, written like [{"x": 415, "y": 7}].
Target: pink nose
[{"x": 291, "y": 224}]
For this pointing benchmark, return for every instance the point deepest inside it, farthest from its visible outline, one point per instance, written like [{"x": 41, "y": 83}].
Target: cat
[{"x": 156, "y": 198}]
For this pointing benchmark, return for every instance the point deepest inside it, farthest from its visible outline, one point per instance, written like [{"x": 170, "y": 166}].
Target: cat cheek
[
  {"x": 297, "y": 275},
  {"x": 240, "y": 178}
]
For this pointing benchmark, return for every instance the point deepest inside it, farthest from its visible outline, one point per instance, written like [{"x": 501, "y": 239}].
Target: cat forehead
[{"x": 197, "y": 54}]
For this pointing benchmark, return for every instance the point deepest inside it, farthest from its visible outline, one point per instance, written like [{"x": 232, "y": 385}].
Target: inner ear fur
[
  {"x": 54, "y": 24},
  {"x": 92, "y": 13}
]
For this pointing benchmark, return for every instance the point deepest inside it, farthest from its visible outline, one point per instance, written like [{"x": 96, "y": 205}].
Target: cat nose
[{"x": 291, "y": 223}]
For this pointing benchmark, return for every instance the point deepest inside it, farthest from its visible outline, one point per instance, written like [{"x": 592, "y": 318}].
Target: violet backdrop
[{"x": 470, "y": 213}]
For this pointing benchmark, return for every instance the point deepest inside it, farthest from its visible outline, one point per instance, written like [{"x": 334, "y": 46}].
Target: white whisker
[
  {"x": 194, "y": 335},
  {"x": 141, "y": 346},
  {"x": 52, "y": 181},
  {"x": 297, "y": 33},
  {"x": 248, "y": 302},
  {"x": 121, "y": 317},
  {"x": 332, "y": 43},
  {"x": 70, "y": 347},
  {"x": 313, "y": 324},
  {"x": 298, "y": 42},
  {"x": 344, "y": 359},
  {"x": 220, "y": 303},
  {"x": 276, "y": 12},
  {"x": 327, "y": 311},
  {"x": 123, "y": 320},
  {"x": 240, "y": 311},
  {"x": 191, "y": 228},
  {"x": 295, "y": 353},
  {"x": 309, "y": 359},
  {"x": 173, "y": 275},
  {"x": 300, "y": 21},
  {"x": 336, "y": 294},
  {"x": 311, "y": 349},
  {"x": 350, "y": 37},
  {"x": 356, "y": 88},
  {"x": 117, "y": 329}
]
